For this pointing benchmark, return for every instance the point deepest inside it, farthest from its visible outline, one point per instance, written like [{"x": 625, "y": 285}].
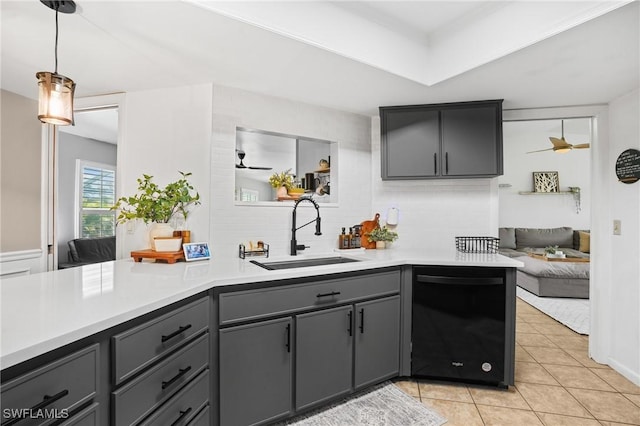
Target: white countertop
[{"x": 42, "y": 312}]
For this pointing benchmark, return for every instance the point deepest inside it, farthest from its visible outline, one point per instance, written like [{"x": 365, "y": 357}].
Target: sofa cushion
[
  {"x": 95, "y": 249},
  {"x": 511, "y": 252},
  {"x": 507, "y": 238},
  {"x": 543, "y": 237}
]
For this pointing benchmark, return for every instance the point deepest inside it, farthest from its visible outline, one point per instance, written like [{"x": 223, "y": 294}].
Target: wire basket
[{"x": 477, "y": 244}]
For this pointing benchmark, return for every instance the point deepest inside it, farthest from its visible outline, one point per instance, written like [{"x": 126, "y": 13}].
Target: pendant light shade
[
  {"x": 55, "y": 98},
  {"x": 55, "y": 91}
]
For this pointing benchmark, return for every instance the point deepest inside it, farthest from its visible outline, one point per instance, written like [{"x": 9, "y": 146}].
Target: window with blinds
[{"x": 97, "y": 189}]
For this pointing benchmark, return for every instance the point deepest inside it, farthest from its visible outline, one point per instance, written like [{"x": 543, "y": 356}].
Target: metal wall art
[{"x": 546, "y": 182}]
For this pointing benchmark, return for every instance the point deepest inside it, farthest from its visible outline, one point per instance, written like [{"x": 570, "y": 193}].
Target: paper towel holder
[{"x": 393, "y": 216}]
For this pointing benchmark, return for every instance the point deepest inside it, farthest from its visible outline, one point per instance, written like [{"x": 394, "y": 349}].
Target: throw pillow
[
  {"x": 585, "y": 242},
  {"x": 507, "y": 238}
]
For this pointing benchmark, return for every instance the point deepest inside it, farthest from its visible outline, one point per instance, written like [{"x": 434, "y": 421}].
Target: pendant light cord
[{"x": 56, "y": 48}]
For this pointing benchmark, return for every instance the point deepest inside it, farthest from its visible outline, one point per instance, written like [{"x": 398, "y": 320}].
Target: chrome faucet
[{"x": 294, "y": 244}]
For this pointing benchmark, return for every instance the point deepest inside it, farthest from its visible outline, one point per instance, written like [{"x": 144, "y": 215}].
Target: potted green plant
[
  {"x": 553, "y": 252},
  {"x": 381, "y": 236},
  {"x": 153, "y": 204},
  {"x": 550, "y": 249},
  {"x": 282, "y": 182}
]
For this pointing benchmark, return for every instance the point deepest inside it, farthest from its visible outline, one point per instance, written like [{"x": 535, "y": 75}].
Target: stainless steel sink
[{"x": 303, "y": 263}]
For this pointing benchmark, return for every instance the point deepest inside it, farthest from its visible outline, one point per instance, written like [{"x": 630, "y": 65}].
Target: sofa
[
  {"x": 549, "y": 278},
  {"x": 84, "y": 251}
]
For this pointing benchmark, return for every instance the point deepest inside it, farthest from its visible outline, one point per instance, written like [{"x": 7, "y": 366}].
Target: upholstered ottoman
[{"x": 554, "y": 279}]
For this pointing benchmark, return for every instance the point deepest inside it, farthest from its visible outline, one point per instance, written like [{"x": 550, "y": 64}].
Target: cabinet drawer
[
  {"x": 132, "y": 402},
  {"x": 184, "y": 406},
  {"x": 203, "y": 418},
  {"x": 64, "y": 384},
  {"x": 90, "y": 416},
  {"x": 260, "y": 303},
  {"x": 135, "y": 349}
]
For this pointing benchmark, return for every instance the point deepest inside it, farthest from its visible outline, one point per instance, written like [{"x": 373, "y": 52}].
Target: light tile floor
[{"x": 557, "y": 384}]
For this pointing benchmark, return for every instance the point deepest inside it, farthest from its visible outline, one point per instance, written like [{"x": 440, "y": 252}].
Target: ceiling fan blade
[
  {"x": 260, "y": 168},
  {"x": 582, "y": 145},
  {"x": 240, "y": 166},
  {"x": 540, "y": 150},
  {"x": 559, "y": 143}
]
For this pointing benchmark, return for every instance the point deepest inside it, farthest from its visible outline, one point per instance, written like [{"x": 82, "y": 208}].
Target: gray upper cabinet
[
  {"x": 442, "y": 141},
  {"x": 411, "y": 143}
]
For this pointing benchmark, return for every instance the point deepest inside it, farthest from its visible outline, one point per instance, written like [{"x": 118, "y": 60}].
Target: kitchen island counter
[{"x": 42, "y": 312}]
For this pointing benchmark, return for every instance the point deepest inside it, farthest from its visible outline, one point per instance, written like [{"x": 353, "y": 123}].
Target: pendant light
[{"x": 55, "y": 91}]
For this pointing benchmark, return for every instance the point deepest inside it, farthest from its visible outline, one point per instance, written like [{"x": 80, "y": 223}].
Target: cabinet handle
[
  {"x": 175, "y": 333},
  {"x": 333, "y": 293},
  {"x": 361, "y": 321},
  {"x": 435, "y": 163},
  {"x": 46, "y": 400},
  {"x": 446, "y": 163},
  {"x": 288, "y": 345},
  {"x": 350, "y": 315},
  {"x": 181, "y": 372},
  {"x": 183, "y": 414}
]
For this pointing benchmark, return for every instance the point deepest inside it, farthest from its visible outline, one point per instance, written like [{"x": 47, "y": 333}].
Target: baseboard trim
[{"x": 634, "y": 376}]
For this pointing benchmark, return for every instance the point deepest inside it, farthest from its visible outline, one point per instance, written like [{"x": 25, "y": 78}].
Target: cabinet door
[
  {"x": 255, "y": 372},
  {"x": 377, "y": 349},
  {"x": 410, "y": 143},
  {"x": 472, "y": 140},
  {"x": 324, "y": 355}
]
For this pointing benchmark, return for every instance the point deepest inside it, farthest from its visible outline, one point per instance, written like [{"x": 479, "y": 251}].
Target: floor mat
[
  {"x": 383, "y": 405},
  {"x": 574, "y": 313}
]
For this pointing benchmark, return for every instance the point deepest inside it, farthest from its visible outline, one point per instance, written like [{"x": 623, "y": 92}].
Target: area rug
[
  {"x": 574, "y": 313},
  {"x": 383, "y": 405}
]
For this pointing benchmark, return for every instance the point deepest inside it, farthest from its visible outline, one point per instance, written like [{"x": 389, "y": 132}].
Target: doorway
[
  {"x": 529, "y": 150},
  {"x": 83, "y": 172}
]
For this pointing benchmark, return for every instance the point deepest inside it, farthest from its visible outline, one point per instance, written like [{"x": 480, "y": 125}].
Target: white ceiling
[{"x": 350, "y": 55}]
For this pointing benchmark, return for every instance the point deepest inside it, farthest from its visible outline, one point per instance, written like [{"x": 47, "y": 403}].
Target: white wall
[
  {"x": 233, "y": 224},
  {"x": 21, "y": 192},
  {"x": 574, "y": 169},
  {"x": 165, "y": 131},
  {"x": 20, "y": 176},
  {"x": 434, "y": 212},
  {"x": 622, "y": 307}
]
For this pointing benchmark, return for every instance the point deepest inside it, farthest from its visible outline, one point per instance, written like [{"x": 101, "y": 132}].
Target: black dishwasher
[{"x": 458, "y": 324}]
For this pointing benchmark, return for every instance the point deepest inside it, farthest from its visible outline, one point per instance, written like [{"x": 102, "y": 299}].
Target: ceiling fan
[
  {"x": 561, "y": 145},
  {"x": 241, "y": 155}
]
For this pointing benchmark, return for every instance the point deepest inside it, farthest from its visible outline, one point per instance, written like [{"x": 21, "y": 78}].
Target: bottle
[
  {"x": 355, "y": 241},
  {"x": 343, "y": 243},
  {"x": 350, "y": 238},
  {"x": 344, "y": 240}
]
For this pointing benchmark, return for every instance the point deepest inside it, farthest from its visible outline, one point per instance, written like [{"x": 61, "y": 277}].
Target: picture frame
[
  {"x": 546, "y": 182},
  {"x": 196, "y": 251}
]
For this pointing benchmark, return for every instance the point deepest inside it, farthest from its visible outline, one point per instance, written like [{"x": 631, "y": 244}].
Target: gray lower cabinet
[
  {"x": 160, "y": 368},
  {"x": 153, "y": 389},
  {"x": 377, "y": 336},
  {"x": 324, "y": 353},
  {"x": 185, "y": 406},
  {"x": 291, "y": 348},
  {"x": 255, "y": 372},
  {"x": 57, "y": 390}
]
